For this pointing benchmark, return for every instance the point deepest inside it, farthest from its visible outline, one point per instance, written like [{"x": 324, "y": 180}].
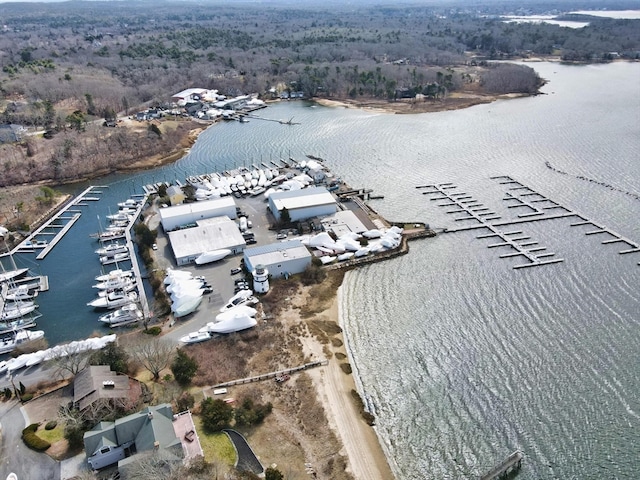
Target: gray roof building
[
  {"x": 148, "y": 430},
  {"x": 281, "y": 259},
  {"x": 303, "y": 204},
  {"x": 189, "y": 213},
  {"x": 97, "y": 382}
]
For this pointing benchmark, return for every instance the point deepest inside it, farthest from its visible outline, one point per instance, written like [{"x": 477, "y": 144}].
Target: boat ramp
[{"x": 518, "y": 197}]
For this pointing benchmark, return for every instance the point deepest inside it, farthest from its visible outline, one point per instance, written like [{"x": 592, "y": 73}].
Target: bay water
[{"x": 462, "y": 358}]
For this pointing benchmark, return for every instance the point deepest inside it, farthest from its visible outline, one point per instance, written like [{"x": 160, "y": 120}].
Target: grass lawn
[
  {"x": 52, "y": 436},
  {"x": 216, "y": 447}
]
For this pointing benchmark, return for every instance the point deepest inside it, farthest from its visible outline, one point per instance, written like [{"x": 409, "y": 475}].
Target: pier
[
  {"x": 521, "y": 246},
  {"x": 532, "y": 207},
  {"x": 509, "y": 465},
  {"x": 60, "y": 223}
]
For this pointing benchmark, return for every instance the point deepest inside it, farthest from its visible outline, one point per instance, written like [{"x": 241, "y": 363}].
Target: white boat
[
  {"x": 124, "y": 283},
  {"x": 195, "y": 337},
  {"x": 11, "y": 274},
  {"x": 118, "y": 257},
  {"x": 125, "y": 217},
  {"x": 233, "y": 324},
  {"x": 10, "y": 343},
  {"x": 113, "y": 248},
  {"x": 129, "y": 313},
  {"x": 129, "y": 203},
  {"x": 109, "y": 234},
  {"x": 16, "y": 325},
  {"x": 20, "y": 293},
  {"x": 212, "y": 256},
  {"x": 114, "y": 299},
  {"x": 180, "y": 309},
  {"x": 243, "y": 297},
  {"x": 34, "y": 244},
  {"x": 114, "y": 273},
  {"x": 20, "y": 310}
]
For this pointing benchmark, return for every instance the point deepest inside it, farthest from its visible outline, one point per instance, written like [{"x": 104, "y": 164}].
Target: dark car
[
  {"x": 235, "y": 271},
  {"x": 251, "y": 241}
]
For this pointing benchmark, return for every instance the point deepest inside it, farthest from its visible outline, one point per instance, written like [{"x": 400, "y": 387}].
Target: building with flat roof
[
  {"x": 189, "y": 213},
  {"x": 343, "y": 221},
  {"x": 281, "y": 259},
  {"x": 303, "y": 204},
  {"x": 189, "y": 94},
  {"x": 208, "y": 234}
]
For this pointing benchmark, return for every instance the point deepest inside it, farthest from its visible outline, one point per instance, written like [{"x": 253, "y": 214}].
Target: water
[{"x": 464, "y": 358}]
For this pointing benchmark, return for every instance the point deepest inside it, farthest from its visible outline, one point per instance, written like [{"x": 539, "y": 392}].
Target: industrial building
[
  {"x": 189, "y": 213},
  {"x": 208, "y": 235},
  {"x": 303, "y": 204},
  {"x": 346, "y": 221},
  {"x": 280, "y": 259}
]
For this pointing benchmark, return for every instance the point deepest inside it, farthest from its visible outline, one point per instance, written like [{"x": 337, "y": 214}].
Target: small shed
[{"x": 176, "y": 195}]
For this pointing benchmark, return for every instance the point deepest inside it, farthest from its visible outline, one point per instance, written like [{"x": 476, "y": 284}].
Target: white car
[{"x": 154, "y": 246}]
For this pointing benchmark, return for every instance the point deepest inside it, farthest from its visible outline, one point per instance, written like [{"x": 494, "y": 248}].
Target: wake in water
[{"x": 592, "y": 180}]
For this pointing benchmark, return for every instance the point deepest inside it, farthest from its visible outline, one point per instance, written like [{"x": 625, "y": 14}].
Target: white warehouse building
[
  {"x": 190, "y": 213},
  {"x": 281, "y": 259},
  {"x": 302, "y": 204},
  {"x": 210, "y": 234}
]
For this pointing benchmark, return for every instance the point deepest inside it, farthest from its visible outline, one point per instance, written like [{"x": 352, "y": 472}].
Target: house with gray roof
[{"x": 150, "y": 430}]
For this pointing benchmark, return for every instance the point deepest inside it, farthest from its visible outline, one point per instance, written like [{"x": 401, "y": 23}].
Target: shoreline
[{"x": 361, "y": 445}]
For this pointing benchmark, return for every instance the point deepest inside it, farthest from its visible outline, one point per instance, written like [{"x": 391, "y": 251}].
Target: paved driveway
[{"x": 15, "y": 455}]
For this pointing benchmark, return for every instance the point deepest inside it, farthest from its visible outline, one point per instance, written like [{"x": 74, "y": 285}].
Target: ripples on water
[{"x": 464, "y": 358}]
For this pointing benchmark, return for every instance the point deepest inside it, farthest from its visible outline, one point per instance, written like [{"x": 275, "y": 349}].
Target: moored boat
[
  {"x": 114, "y": 299},
  {"x": 126, "y": 314}
]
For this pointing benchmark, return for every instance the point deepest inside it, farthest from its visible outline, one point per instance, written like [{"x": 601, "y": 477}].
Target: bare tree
[
  {"x": 69, "y": 359},
  {"x": 155, "y": 355}
]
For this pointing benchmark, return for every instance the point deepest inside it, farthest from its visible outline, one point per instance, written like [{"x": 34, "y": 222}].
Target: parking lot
[{"x": 217, "y": 274}]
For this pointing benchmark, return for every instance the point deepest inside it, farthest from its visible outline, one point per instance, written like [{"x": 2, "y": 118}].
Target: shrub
[
  {"x": 216, "y": 414},
  {"x": 155, "y": 331},
  {"x": 26, "y": 397},
  {"x": 51, "y": 424},
  {"x": 185, "y": 402},
  {"x": 32, "y": 440},
  {"x": 250, "y": 413}
]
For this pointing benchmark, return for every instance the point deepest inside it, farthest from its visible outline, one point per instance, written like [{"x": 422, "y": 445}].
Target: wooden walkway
[
  {"x": 510, "y": 464},
  {"x": 270, "y": 375}
]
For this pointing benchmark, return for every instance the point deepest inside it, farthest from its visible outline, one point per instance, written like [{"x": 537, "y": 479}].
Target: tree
[
  {"x": 273, "y": 474},
  {"x": 154, "y": 355},
  {"x": 69, "y": 359},
  {"x": 113, "y": 355},
  {"x": 285, "y": 217},
  {"x": 183, "y": 368},
  {"x": 185, "y": 402},
  {"x": 250, "y": 413},
  {"x": 216, "y": 414}
]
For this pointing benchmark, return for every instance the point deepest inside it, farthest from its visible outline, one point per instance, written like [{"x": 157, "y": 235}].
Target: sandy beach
[{"x": 360, "y": 443}]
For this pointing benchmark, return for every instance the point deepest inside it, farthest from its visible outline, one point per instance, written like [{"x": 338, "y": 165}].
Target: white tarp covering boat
[{"x": 212, "y": 256}]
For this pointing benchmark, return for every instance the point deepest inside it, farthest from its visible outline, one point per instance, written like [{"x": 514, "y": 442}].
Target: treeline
[{"x": 143, "y": 52}]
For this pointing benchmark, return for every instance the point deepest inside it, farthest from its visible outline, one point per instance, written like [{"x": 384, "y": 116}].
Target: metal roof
[
  {"x": 306, "y": 197},
  {"x": 276, "y": 253},
  {"x": 203, "y": 206},
  {"x": 212, "y": 234}
]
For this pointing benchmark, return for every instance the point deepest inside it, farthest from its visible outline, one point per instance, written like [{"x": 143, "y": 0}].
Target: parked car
[
  {"x": 154, "y": 246},
  {"x": 281, "y": 236},
  {"x": 251, "y": 241},
  {"x": 235, "y": 271}
]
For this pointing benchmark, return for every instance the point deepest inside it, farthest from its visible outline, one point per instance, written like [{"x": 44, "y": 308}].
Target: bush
[
  {"x": 32, "y": 440},
  {"x": 51, "y": 424},
  {"x": 249, "y": 414},
  {"x": 216, "y": 414},
  {"x": 185, "y": 402},
  {"x": 155, "y": 331},
  {"x": 26, "y": 397}
]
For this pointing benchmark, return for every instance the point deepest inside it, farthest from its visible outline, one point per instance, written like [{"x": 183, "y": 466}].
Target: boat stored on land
[
  {"x": 195, "y": 337},
  {"x": 212, "y": 256},
  {"x": 22, "y": 337}
]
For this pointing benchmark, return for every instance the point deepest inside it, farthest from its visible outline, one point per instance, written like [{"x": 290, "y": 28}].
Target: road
[{"x": 15, "y": 455}]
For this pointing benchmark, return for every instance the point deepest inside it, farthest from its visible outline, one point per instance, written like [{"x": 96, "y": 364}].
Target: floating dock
[
  {"x": 475, "y": 211},
  {"x": 519, "y": 197}
]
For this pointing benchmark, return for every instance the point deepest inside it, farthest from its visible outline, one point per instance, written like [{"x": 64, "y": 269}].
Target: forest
[{"x": 66, "y": 64}]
